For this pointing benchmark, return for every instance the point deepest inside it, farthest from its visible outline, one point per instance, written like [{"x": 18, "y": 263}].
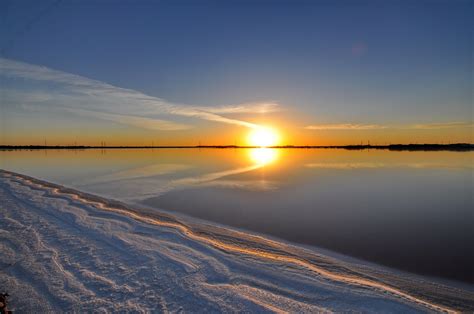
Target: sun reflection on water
[{"x": 263, "y": 156}]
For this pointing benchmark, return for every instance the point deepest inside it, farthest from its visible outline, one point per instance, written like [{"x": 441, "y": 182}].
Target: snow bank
[{"x": 65, "y": 250}]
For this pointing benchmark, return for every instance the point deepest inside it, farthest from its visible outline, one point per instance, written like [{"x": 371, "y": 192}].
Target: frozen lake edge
[{"x": 71, "y": 251}]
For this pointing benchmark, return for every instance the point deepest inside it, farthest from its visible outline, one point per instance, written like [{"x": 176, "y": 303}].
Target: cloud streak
[
  {"x": 362, "y": 127},
  {"x": 86, "y": 96},
  {"x": 141, "y": 122},
  {"x": 345, "y": 126},
  {"x": 444, "y": 125}
]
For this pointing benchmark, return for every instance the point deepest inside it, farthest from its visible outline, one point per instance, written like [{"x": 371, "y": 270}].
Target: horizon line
[{"x": 411, "y": 146}]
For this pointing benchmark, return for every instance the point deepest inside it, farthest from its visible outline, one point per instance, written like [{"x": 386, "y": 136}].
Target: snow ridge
[{"x": 64, "y": 250}]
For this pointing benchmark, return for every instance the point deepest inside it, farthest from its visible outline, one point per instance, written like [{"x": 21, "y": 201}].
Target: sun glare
[
  {"x": 263, "y": 156},
  {"x": 263, "y": 137}
]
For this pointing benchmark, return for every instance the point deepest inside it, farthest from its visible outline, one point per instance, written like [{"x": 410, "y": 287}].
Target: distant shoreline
[{"x": 392, "y": 147}]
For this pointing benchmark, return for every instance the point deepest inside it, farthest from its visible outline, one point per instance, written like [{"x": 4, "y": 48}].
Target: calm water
[{"x": 408, "y": 210}]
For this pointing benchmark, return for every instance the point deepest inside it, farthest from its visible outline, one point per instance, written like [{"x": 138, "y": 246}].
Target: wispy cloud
[
  {"x": 85, "y": 96},
  {"x": 444, "y": 125},
  {"x": 141, "y": 122},
  {"x": 345, "y": 126},
  {"x": 257, "y": 107},
  {"x": 359, "y": 127}
]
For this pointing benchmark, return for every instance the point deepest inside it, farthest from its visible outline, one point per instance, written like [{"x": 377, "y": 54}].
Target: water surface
[{"x": 408, "y": 210}]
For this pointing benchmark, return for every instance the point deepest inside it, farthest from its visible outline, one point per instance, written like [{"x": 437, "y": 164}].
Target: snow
[{"x": 65, "y": 250}]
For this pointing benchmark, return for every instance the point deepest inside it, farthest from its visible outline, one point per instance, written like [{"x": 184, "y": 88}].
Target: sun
[{"x": 263, "y": 137}]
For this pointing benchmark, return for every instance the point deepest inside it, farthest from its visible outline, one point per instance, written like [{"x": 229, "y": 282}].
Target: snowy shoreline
[{"x": 65, "y": 250}]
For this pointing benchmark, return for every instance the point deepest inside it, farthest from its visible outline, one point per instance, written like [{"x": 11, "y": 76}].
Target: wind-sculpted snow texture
[{"x": 64, "y": 250}]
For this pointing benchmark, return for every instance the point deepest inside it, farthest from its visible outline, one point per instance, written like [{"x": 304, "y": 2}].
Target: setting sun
[{"x": 263, "y": 137}]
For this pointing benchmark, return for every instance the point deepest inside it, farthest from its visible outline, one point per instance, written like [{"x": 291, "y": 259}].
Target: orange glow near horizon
[{"x": 218, "y": 134}]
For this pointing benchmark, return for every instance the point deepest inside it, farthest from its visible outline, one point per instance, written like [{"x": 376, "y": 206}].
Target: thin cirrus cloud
[
  {"x": 141, "y": 122},
  {"x": 444, "y": 125},
  {"x": 345, "y": 126},
  {"x": 361, "y": 127},
  {"x": 92, "y": 98}
]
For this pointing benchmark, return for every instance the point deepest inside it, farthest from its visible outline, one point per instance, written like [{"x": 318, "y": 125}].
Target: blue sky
[{"x": 388, "y": 63}]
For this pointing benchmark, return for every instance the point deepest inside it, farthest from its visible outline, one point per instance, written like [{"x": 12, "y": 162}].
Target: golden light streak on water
[{"x": 263, "y": 156}]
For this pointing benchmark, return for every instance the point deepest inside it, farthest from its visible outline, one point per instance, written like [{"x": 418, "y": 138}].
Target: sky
[{"x": 189, "y": 72}]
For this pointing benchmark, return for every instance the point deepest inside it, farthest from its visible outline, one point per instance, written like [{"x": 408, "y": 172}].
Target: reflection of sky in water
[
  {"x": 403, "y": 209},
  {"x": 152, "y": 180}
]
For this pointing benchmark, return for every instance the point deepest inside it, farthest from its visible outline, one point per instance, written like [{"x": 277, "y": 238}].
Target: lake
[{"x": 412, "y": 211}]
